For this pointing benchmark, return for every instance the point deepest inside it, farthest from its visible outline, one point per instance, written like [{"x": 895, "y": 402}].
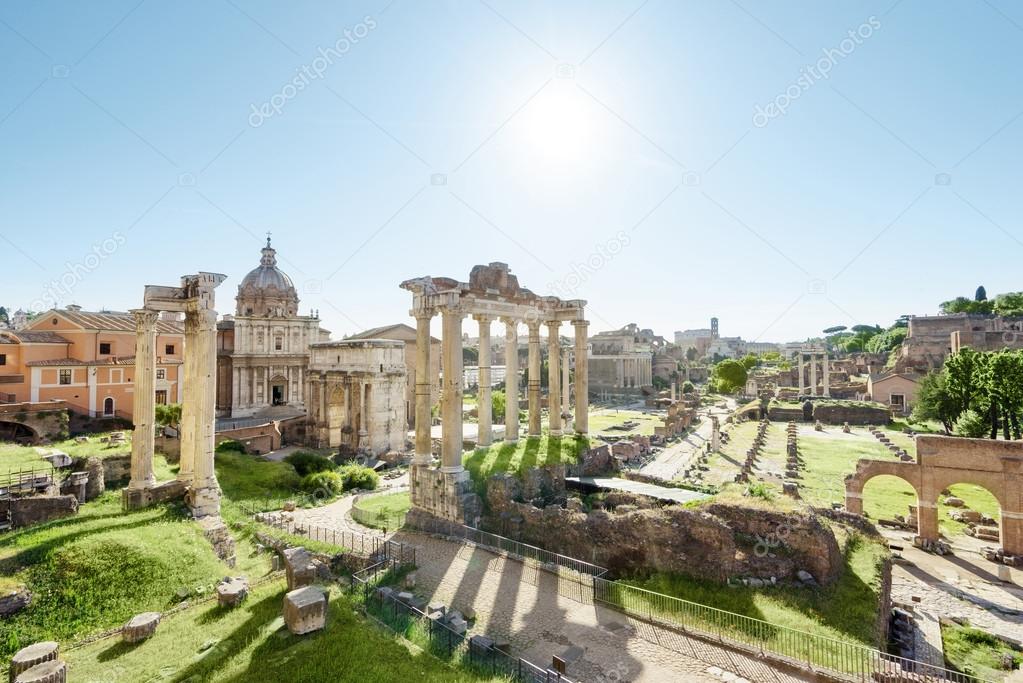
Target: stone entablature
[
  {"x": 357, "y": 392},
  {"x": 492, "y": 293},
  {"x": 943, "y": 461}
]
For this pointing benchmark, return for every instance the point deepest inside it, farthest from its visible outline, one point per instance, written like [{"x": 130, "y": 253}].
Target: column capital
[
  {"x": 144, "y": 317},
  {"x": 510, "y": 321},
  {"x": 533, "y": 326},
  {"x": 452, "y": 310},
  {"x": 580, "y": 323},
  {"x": 423, "y": 313},
  {"x": 483, "y": 318}
]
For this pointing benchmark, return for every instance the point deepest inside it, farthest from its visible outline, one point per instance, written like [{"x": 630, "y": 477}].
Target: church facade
[{"x": 263, "y": 349}]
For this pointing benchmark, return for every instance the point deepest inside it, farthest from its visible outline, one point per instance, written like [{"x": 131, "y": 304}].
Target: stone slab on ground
[
  {"x": 232, "y": 591},
  {"x": 54, "y": 671},
  {"x": 305, "y": 610},
  {"x": 36, "y": 653},
  {"x": 140, "y": 627}
]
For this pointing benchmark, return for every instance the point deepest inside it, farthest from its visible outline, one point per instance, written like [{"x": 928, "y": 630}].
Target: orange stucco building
[{"x": 86, "y": 359}]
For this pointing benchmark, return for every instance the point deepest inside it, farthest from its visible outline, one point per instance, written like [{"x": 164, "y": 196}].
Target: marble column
[
  {"x": 827, "y": 375},
  {"x": 236, "y": 387},
  {"x": 554, "y": 376},
  {"x": 189, "y": 402},
  {"x": 813, "y": 374},
  {"x": 144, "y": 400},
  {"x": 424, "y": 419},
  {"x": 582, "y": 382},
  {"x": 533, "y": 384},
  {"x": 205, "y": 494},
  {"x": 484, "y": 404},
  {"x": 801, "y": 375},
  {"x": 511, "y": 380},
  {"x": 566, "y": 399},
  {"x": 451, "y": 439}
]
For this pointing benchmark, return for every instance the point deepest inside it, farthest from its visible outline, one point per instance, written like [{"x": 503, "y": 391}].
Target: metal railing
[
  {"x": 842, "y": 660},
  {"x": 27, "y": 480},
  {"x": 441, "y": 640}
]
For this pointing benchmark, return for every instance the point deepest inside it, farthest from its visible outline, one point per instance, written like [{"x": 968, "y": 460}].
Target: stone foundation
[
  {"x": 134, "y": 499},
  {"x": 204, "y": 502},
  {"x": 217, "y": 533},
  {"x": 446, "y": 495},
  {"x": 39, "y": 509}
]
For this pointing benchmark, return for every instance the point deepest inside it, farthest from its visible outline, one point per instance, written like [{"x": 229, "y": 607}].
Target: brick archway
[{"x": 944, "y": 461}]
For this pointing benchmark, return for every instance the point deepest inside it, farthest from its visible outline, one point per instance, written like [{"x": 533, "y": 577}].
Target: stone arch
[
  {"x": 279, "y": 390},
  {"x": 109, "y": 406},
  {"x": 11, "y": 430},
  {"x": 868, "y": 469}
]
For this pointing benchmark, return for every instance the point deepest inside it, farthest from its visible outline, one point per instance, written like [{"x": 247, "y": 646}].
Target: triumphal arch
[
  {"x": 492, "y": 293},
  {"x": 943, "y": 461},
  {"x": 196, "y": 476}
]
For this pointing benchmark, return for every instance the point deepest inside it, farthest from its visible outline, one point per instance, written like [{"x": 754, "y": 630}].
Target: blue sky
[{"x": 608, "y": 151}]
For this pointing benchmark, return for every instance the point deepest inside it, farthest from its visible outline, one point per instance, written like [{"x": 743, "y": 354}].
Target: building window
[
  {"x": 64, "y": 377},
  {"x": 3, "y": 359},
  {"x": 278, "y": 343},
  {"x": 108, "y": 406},
  {"x": 897, "y": 400},
  {"x": 161, "y": 397},
  {"x": 104, "y": 348},
  {"x": 161, "y": 373},
  {"x": 169, "y": 349}
]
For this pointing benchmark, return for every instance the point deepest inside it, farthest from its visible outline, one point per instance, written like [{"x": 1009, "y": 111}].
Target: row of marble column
[
  {"x": 452, "y": 387},
  {"x": 815, "y": 356},
  {"x": 198, "y": 406}
]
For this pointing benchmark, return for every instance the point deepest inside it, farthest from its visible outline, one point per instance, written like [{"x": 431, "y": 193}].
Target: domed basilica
[{"x": 263, "y": 350}]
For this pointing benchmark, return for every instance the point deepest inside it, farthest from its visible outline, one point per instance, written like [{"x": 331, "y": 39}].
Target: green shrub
[
  {"x": 307, "y": 462},
  {"x": 760, "y": 490},
  {"x": 230, "y": 445},
  {"x": 359, "y": 477},
  {"x": 972, "y": 424},
  {"x": 327, "y": 480}
]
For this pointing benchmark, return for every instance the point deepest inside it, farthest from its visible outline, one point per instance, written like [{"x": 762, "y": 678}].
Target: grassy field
[
  {"x": 522, "y": 455},
  {"x": 846, "y": 610},
  {"x": 384, "y": 511},
  {"x": 602, "y": 419},
  {"x": 251, "y": 645},
  {"x": 976, "y": 653}
]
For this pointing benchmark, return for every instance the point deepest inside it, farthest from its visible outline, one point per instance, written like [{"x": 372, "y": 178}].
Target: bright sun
[{"x": 557, "y": 126}]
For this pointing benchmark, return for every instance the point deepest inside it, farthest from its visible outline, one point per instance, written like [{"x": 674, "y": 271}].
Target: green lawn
[
  {"x": 250, "y": 644},
  {"x": 385, "y": 511},
  {"x": 522, "y": 455},
  {"x": 253, "y": 481},
  {"x": 602, "y": 419},
  {"x": 976, "y": 653},
  {"x": 846, "y": 610},
  {"x": 13, "y": 458}
]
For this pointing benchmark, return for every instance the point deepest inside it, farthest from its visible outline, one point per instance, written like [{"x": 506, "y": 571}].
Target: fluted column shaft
[
  {"x": 566, "y": 401},
  {"x": 801, "y": 373},
  {"x": 424, "y": 419},
  {"x": 554, "y": 376},
  {"x": 511, "y": 380},
  {"x": 144, "y": 400},
  {"x": 813, "y": 374},
  {"x": 205, "y": 379},
  {"x": 485, "y": 403},
  {"x": 451, "y": 440},
  {"x": 189, "y": 402},
  {"x": 827, "y": 375},
  {"x": 533, "y": 385},
  {"x": 582, "y": 378}
]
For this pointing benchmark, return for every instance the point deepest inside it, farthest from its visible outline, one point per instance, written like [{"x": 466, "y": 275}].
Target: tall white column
[
  {"x": 582, "y": 382},
  {"x": 801, "y": 390},
  {"x": 533, "y": 383},
  {"x": 424, "y": 418},
  {"x": 511, "y": 380},
  {"x": 484, "y": 405},
  {"x": 205, "y": 494},
  {"x": 827, "y": 375},
  {"x": 813, "y": 374},
  {"x": 236, "y": 387},
  {"x": 566, "y": 414},
  {"x": 451, "y": 439},
  {"x": 554, "y": 376},
  {"x": 144, "y": 400},
  {"x": 189, "y": 402}
]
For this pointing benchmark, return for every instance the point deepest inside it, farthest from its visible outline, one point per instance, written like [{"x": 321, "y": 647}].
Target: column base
[
  {"x": 203, "y": 501},
  {"x": 447, "y": 495},
  {"x": 142, "y": 484},
  {"x": 452, "y": 469},
  {"x": 422, "y": 460},
  {"x": 554, "y": 432},
  {"x": 137, "y": 498}
]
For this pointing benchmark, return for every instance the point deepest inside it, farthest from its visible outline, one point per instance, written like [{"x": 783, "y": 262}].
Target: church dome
[{"x": 267, "y": 290}]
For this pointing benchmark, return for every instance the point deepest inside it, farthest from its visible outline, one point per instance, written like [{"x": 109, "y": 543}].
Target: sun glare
[{"x": 557, "y": 127}]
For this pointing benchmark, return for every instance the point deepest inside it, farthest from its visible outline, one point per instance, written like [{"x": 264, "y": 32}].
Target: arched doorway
[
  {"x": 279, "y": 390},
  {"x": 890, "y": 497},
  {"x": 18, "y": 433},
  {"x": 108, "y": 406}
]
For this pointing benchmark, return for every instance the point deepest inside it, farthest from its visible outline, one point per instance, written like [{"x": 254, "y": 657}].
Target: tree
[
  {"x": 730, "y": 375},
  {"x": 691, "y": 354},
  {"x": 835, "y": 330},
  {"x": 961, "y": 304},
  {"x": 749, "y": 361},
  {"x": 498, "y": 403},
  {"x": 1009, "y": 304},
  {"x": 688, "y": 387},
  {"x": 169, "y": 415},
  {"x": 888, "y": 340},
  {"x": 3, "y": 315},
  {"x": 933, "y": 401},
  {"x": 981, "y": 294}
]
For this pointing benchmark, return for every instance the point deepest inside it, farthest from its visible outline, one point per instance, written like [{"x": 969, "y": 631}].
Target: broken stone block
[
  {"x": 300, "y": 568},
  {"x": 806, "y": 578},
  {"x": 140, "y": 627},
  {"x": 405, "y": 597},
  {"x": 410, "y": 580},
  {"x": 436, "y": 607},
  {"x": 459, "y": 626},
  {"x": 954, "y": 502},
  {"x": 36, "y": 653},
  {"x": 54, "y": 671},
  {"x": 305, "y": 610},
  {"x": 469, "y": 613},
  {"x": 232, "y": 591}
]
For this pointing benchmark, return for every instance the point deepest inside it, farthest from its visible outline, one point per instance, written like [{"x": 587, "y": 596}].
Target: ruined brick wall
[
  {"x": 39, "y": 509},
  {"x": 853, "y": 413}
]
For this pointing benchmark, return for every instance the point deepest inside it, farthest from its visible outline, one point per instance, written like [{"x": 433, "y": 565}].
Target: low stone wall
[
  {"x": 784, "y": 414},
  {"x": 853, "y": 413},
  {"x": 257, "y": 440},
  {"x": 884, "y": 603},
  {"x": 116, "y": 469},
  {"x": 39, "y": 509}
]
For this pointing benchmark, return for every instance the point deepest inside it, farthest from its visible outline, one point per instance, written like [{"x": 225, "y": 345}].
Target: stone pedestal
[
  {"x": 232, "y": 591},
  {"x": 141, "y": 627},
  {"x": 447, "y": 495},
  {"x": 299, "y": 566},
  {"x": 37, "y": 653},
  {"x": 96, "y": 484},
  {"x": 305, "y": 610},
  {"x": 48, "y": 672}
]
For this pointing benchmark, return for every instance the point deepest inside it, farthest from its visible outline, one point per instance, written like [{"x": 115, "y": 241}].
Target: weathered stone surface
[
  {"x": 219, "y": 536},
  {"x": 54, "y": 671},
  {"x": 14, "y": 601},
  {"x": 96, "y": 484},
  {"x": 301, "y": 571},
  {"x": 36, "y": 653},
  {"x": 232, "y": 591},
  {"x": 305, "y": 610},
  {"x": 38, "y": 509},
  {"x": 140, "y": 627}
]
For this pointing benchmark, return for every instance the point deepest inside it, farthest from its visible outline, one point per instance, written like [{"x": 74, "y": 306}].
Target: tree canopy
[{"x": 730, "y": 376}]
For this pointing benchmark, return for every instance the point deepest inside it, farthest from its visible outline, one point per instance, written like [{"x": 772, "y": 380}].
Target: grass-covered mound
[
  {"x": 250, "y": 644},
  {"x": 383, "y": 512},
  {"x": 97, "y": 569},
  {"x": 526, "y": 453},
  {"x": 251, "y": 480},
  {"x": 977, "y": 653},
  {"x": 846, "y": 610}
]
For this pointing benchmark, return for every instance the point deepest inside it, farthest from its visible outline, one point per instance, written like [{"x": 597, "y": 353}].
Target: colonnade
[
  {"x": 452, "y": 387},
  {"x": 815, "y": 357}
]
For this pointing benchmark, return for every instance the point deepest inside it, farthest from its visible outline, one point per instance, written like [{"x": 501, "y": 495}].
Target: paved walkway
[
  {"x": 669, "y": 463},
  {"x": 542, "y": 615}
]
